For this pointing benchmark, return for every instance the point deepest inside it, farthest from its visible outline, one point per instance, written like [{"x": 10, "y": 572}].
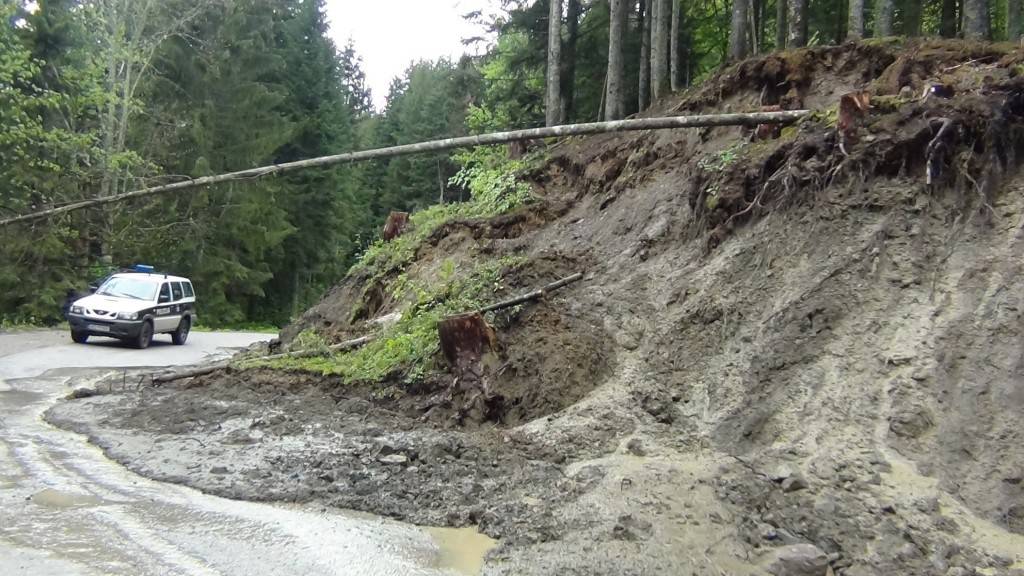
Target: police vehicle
[{"x": 133, "y": 306}]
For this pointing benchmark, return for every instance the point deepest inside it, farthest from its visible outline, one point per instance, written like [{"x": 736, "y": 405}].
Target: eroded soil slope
[{"x": 796, "y": 348}]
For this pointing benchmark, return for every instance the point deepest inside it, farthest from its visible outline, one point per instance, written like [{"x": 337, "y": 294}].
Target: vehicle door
[{"x": 164, "y": 317}]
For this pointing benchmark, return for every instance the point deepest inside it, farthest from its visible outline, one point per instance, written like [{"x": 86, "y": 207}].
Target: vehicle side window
[
  {"x": 176, "y": 290},
  {"x": 188, "y": 289},
  {"x": 165, "y": 293}
]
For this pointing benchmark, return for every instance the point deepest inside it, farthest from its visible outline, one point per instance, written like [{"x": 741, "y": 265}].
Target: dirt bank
[{"x": 786, "y": 352}]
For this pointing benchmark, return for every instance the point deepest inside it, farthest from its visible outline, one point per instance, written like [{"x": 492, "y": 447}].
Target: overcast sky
[{"x": 389, "y": 34}]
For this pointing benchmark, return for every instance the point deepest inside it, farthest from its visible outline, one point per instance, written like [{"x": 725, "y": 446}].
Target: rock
[
  {"x": 82, "y": 393},
  {"x": 631, "y": 529},
  {"x": 393, "y": 459},
  {"x": 799, "y": 560},
  {"x": 239, "y": 436},
  {"x": 219, "y": 470},
  {"x": 794, "y": 483},
  {"x": 767, "y": 532},
  {"x": 636, "y": 447},
  {"x": 780, "y": 473}
]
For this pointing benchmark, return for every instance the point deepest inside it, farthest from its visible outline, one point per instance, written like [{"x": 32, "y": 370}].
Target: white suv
[{"x": 133, "y": 306}]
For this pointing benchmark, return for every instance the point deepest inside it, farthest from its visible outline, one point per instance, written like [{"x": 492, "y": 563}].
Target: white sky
[{"x": 389, "y": 34}]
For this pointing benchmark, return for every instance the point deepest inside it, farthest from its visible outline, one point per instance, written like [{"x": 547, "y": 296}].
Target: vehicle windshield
[{"x": 128, "y": 287}]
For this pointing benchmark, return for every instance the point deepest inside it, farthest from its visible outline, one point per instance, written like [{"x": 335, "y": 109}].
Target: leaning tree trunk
[
  {"x": 661, "y": 24},
  {"x": 738, "y": 30},
  {"x": 644, "y": 27},
  {"x": 553, "y": 105},
  {"x": 976, "y": 21},
  {"x": 855, "y": 24},
  {"x": 884, "y": 18},
  {"x": 948, "y": 19},
  {"x": 1014, "y": 20},
  {"x": 781, "y": 8},
  {"x": 615, "y": 102},
  {"x": 797, "y": 22},
  {"x": 675, "y": 47}
]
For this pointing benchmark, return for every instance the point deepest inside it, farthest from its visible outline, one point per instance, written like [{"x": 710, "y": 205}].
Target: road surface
[{"x": 66, "y": 509}]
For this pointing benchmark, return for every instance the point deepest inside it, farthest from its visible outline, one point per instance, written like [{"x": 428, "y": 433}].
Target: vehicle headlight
[
  {"x": 76, "y": 310},
  {"x": 127, "y": 315}
]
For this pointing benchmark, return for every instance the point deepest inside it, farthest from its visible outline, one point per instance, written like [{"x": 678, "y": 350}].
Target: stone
[
  {"x": 799, "y": 560},
  {"x": 393, "y": 459},
  {"x": 82, "y": 393},
  {"x": 794, "y": 483},
  {"x": 636, "y": 447},
  {"x": 219, "y": 470},
  {"x": 631, "y": 529}
]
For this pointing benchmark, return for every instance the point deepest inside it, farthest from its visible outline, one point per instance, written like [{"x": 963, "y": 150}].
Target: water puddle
[
  {"x": 461, "y": 549},
  {"x": 51, "y": 498}
]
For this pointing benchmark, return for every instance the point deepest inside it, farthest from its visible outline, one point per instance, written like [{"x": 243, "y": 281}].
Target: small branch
[{"x": 533, "y": 295}]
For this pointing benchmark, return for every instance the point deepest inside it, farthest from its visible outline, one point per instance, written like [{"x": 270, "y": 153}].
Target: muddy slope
[{"x": 787, "y": 352}]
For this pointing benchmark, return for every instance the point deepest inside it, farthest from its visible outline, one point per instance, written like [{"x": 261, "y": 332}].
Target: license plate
[{"x": 99, "y": 328}]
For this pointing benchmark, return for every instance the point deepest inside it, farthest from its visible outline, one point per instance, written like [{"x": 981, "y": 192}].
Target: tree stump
[
  {"x": 395, "y": 225},
  {"x": 465, "y": 340}
]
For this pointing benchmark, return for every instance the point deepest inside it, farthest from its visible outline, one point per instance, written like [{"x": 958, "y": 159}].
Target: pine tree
[{"x": 615, "y": 96}]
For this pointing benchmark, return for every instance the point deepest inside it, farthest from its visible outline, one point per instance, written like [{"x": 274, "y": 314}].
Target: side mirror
[
  {"x": 93, "y": 288},
  {"x": 163, "y": 298}
]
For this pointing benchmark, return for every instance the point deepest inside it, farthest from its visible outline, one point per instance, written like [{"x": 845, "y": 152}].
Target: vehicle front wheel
[
  {"x": 145, "y": 335},
  {"x": 180, "y": 335},
  {"x": 79, "y": 337}
]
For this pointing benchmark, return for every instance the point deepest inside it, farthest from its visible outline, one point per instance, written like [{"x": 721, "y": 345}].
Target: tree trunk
[
  {"x": 738, "y": 30},
  {"x": 797, "y": 20},
  {"x": 780, "y": 24},
  {"x": 675, "y": 46},
  {"x": 553, "y": 106},
  {"x": 569, "y": 61},
  {"x": 948, "y": 19},
  {"x": 855, "y": 25},
  {"x": 912, "y": 11},
  {"x": 1014, "y": 20},
  {"x": 615, "y": 103},
  {"x": 644, "y": 27},
  {"x": 756, "y": 26},
  {"x": 884, "y": 18},
  {"x": 432, "y": 146},
  {"x": 661, "y": 25},
  {"x": 976, "y": 20}
]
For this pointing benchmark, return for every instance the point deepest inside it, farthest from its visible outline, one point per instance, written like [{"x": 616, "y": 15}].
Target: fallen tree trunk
[
  {"x": 346, "y": 345},
  {"x": 210, "y": 368},
  {"x": 533, "y": 295},
  {"x": 188, "y": 373},
  {"x": 663, "y": 123}
]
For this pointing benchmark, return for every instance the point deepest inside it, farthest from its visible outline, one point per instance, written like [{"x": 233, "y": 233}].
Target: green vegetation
[
  {"x": 493, "y": 183},
  {"x": 407, "y": 350}
]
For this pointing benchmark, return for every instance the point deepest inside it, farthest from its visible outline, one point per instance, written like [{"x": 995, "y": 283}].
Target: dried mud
[{"x": 829, "y": 354}]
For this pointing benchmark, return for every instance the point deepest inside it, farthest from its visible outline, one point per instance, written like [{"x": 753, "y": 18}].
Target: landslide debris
[{"x": 794, "y": 351}]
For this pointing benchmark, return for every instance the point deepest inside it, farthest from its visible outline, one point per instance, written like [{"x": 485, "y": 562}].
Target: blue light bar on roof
[{"x": 144, "y": 268}]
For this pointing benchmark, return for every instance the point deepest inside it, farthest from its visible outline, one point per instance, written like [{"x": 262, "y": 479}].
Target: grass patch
[{"x": 408, "y": 349}]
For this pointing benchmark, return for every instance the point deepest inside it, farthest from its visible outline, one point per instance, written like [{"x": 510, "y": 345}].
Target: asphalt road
[{"x": 67, "y": 509}]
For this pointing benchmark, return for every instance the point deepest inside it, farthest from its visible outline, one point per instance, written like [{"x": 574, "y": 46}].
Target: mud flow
[{"x": 794, "y": 350}]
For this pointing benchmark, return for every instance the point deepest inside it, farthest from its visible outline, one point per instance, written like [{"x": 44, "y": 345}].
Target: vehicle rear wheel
[
  {"x": 145, "y": 335},
  {"x": 180, "y": 335},
  {"x": 79, "y": 337}
]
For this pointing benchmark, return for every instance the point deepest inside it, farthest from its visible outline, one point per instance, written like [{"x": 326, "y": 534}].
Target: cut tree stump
[
  {"x": 465, "y": 340},
  {"x": 395, "y": 225}
]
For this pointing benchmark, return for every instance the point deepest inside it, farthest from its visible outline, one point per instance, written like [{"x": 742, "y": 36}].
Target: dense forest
[{"x": 99, "y": 97}]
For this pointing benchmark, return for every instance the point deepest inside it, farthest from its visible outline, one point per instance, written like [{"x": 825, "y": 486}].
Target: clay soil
[{"x": 784, "y": 338}]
